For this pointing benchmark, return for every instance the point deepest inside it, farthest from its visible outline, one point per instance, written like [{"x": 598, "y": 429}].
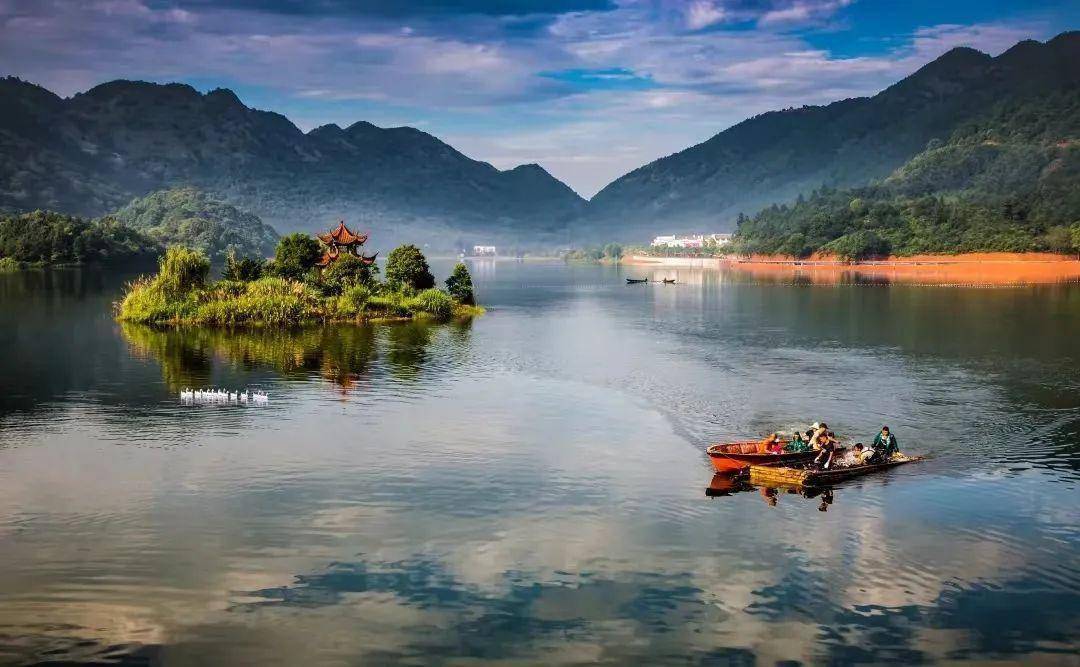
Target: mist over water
[{"x": 531, "y": 485}]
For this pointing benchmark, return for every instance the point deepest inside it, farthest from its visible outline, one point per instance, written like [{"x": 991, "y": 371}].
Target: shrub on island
[{"x": 459, "y": 285}]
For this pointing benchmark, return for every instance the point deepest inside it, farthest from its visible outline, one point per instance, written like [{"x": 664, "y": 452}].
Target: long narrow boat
[
  {"x": 635, "y": 281},
  {"x": 760, "y": 474},
  {"x": 669, "y": 281},
  {"x": 739, "y": 455}
]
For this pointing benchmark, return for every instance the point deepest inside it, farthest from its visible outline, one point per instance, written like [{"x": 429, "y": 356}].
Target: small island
[{"x": 309, "y": 280}]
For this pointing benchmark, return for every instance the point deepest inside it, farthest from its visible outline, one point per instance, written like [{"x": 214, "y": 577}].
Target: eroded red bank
[{"x": 990, "y": 268}]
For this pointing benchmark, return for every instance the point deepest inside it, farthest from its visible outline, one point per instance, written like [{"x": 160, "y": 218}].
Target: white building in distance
[
  {"x": 691, "y": 241},
  {"x": 483, "y": 251}
]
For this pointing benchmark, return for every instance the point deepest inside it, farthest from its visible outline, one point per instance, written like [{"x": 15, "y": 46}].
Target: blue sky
[{"x": 589, "y": 89}]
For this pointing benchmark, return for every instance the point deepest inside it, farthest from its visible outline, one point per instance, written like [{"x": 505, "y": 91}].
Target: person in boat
[
  {"x": 773, "y": 444},
  {"x": 859, "y": 455},
  {"x": 885, "y": 443},
  {"x": 797, "y": 444},
  {"x": 826, "y": 447},
  {"x": 820, "y": 433}
]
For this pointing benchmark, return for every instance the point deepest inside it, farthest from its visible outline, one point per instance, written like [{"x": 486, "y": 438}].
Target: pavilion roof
[{"x": 342, "y": 235}]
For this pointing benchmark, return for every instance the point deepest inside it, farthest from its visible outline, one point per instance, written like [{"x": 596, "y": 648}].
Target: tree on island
[
  {"x": 243, "y": 269},
  {"x": 406, "y": 266},
  {"x": 348, "y": 270},
  {"x": 459, "y": 285},
  {"x": 295, "y": 256},
  {"x": 613, "y": 251}
]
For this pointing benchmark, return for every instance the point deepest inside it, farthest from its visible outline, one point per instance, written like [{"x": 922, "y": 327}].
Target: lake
[{"x": 531, "y": 486}]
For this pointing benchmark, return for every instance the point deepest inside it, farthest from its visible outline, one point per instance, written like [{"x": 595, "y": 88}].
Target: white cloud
[
  {"x": 703, "y": 14},
  {"x": 802, "y": 12}
]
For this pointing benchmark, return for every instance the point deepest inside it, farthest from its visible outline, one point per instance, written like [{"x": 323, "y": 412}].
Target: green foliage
[
  {"x": 145, "y": 301},
  {"x": 295, "y": 256},
  {"x": 10, "y": 265},
  {"x": 406, "y": 266},
  {"x": 857, "y": 245},
  {"x": 46, "y": 237},
  {"x": 269, "y": 300},
  {"x": 1058, "y": 239},
  {"x": 389, "y": 305},
  {"x": 433, "y": 302},
  {"x": 348, "y": 270},
  {"x": 613, "y": 251},
  {"x": 244, "y": 269},
  {"x": 181, "y": 271},
  {"x": 459, "y": 285},
  {"x": 585, "y": 255},
  {"x": 188, "y": 217},
  {"x": 353, "y": 300}
]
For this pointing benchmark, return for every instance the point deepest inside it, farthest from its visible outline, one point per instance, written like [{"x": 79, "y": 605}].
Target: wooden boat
[
  {"x": 804, "y": 476},
  {"x": 739, "y": 455},
  {"x": 634, "y": 281},
  {"x": 669, "y": 281}
]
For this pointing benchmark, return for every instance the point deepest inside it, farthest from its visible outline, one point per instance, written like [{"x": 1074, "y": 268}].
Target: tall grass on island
[{"x": 290, "y": 290}]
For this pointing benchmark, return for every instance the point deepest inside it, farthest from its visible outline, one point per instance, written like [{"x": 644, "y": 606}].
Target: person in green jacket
[
  {"x": 797, "y": 444},
  {"x": 885, "y": 443}
]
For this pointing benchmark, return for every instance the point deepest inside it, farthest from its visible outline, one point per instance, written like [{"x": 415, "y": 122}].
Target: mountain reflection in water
[{"x": 529, "y": 488}]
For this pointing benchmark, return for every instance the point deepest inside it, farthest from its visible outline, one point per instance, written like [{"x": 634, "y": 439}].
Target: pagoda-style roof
[
  {"x": 331, "y": 255},
  {"x": 327, "y": 257},
  {"x": 342, "y": 235}
]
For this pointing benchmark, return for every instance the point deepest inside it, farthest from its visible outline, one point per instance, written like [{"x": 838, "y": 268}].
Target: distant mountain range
[
  {"x": 779, "y": 155},
  {"x": 94, "y": 152}
]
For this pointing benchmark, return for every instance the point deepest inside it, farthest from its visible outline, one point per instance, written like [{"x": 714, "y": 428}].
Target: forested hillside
[
  {"x": 1007, "y": 181},
  {"x": 187, "y": 217},
  {"x": 45, "y": 238}
]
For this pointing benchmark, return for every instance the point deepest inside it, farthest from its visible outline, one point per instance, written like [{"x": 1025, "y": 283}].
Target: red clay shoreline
[{"x": 995, "y": 269}]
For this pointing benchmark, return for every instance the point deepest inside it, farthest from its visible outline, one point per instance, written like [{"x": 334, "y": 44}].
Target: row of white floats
[{"x": 222, "y": 396}]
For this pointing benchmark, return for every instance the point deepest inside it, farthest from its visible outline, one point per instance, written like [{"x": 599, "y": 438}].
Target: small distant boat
[
  {"x": 669, "y": 281},
  {"x": 740, "y": 455},
  {"x": 634, "y": 281},
  {"x": 817, "y": 477}
]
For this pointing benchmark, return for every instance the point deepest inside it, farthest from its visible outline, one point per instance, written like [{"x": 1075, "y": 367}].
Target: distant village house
[
  {"x": 483, "y": 251},
  {"x": 691, "y": 241}
]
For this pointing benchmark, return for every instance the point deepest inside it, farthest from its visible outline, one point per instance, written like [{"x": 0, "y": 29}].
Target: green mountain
[
  {"x": 1008, "y": 181},
  {"x": 95, "y": 151},
  {"x": 188, "y": 217},
  {"x": 45, "y": 237},
  {"x": 777, "y": 156}
]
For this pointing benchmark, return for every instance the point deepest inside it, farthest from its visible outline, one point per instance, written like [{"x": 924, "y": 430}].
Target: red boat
[{"x": 739, "y": 455}]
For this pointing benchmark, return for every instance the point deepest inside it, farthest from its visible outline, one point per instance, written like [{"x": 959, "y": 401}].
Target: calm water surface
[{"x": 531, "y": 487}]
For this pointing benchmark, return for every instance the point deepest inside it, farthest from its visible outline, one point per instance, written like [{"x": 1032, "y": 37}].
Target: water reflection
[
  {"x": 728, "y": 484},
  {"x": 528, "y": 488},
  {"x": 340, "y": 354}
]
